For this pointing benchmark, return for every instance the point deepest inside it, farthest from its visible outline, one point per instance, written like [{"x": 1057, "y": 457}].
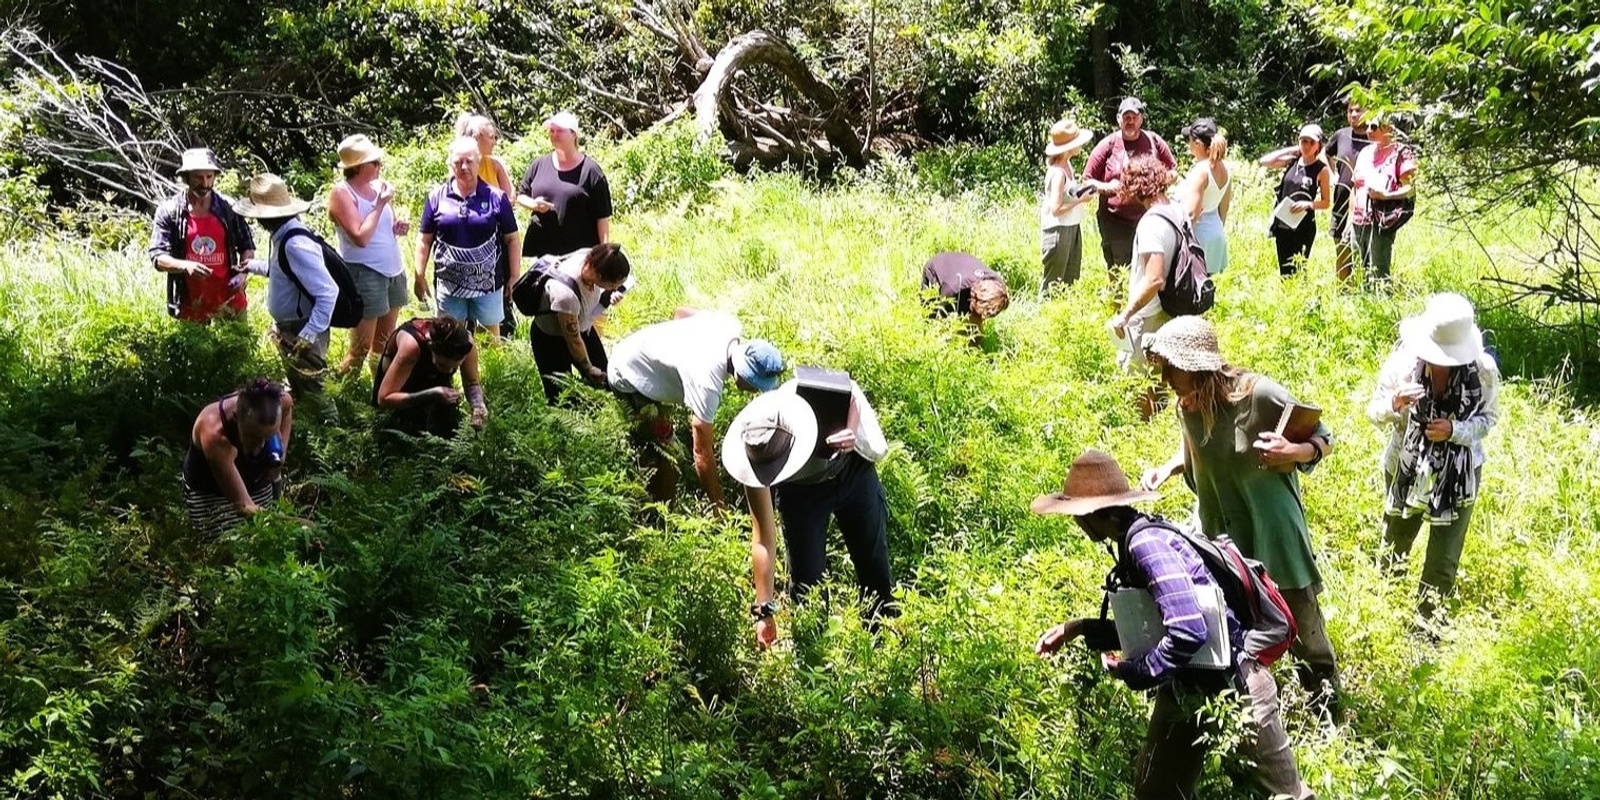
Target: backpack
[
  {"x": 1188, "y": 288},
  {"x": 528, "y": 292},
  {"x": 1251, "y": 594},
  {"x": 1392, "y": 215},
  {"x": 347, "y": 307}
]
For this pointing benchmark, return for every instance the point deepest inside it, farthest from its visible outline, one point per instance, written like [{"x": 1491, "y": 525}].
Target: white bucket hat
[
  {"x": 199, "y": 159},
  {"x": 770, "y": 439},
  {"x": 1445, "y": 333}
]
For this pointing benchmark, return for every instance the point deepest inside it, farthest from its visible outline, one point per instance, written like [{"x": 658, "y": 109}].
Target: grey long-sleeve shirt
[{"x": 285, "y": 301}]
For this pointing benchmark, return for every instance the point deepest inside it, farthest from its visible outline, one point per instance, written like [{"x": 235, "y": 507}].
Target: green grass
[{"x": 506, "y": 616}]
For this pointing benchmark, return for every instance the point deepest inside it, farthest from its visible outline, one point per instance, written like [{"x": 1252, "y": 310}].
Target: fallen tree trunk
[{"x": 760, "y": 48}]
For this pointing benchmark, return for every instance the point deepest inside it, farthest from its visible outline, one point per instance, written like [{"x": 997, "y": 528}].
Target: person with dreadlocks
[
  {"x": 1246, "y": 480},
  {"x": 1437, "y": 397}
]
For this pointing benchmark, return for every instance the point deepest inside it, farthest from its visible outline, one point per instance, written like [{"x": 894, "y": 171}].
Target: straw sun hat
[
  {"x": 1066, "y": 136},
  {"x": 270, "y": 198},
  {"x": 1093, "y": 482},
  {"x": 1188, "y": 343},
  {"x": 356, "y": 150}
]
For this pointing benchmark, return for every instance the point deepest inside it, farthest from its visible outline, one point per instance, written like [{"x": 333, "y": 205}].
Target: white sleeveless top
[
  {"x": 1073, "y": 216},
  {"x": 1211, "y": 195},
  {"x": 382, "y": 252}
]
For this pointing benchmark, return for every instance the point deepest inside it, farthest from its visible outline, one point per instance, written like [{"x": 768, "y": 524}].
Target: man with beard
[
  {"x": 202, "y": 245},
  {"x": 1118, "y": 215}
]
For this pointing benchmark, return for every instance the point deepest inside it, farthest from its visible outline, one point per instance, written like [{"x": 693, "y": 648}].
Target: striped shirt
[{"x": 1173, "y": 570}]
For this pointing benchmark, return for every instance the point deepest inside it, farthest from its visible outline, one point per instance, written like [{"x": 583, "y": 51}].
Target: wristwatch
[{"x": 761, "y": 611}]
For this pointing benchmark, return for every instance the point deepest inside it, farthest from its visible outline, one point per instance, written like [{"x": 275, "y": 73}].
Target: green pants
[{"x": 1443, "y": 556}]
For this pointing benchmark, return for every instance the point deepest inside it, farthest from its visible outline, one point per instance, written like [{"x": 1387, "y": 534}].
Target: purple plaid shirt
[{"x": 1173, "y": 570}]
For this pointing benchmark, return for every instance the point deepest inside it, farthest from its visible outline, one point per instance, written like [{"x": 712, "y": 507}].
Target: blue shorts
[{"x": 485, "y": 310}]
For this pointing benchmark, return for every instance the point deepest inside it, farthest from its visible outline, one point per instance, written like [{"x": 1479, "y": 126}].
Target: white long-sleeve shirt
[
  {"x": 1397, "y": 371},
  {"x": 870, "y": 442},
  {"x": 285, "y": 302}
]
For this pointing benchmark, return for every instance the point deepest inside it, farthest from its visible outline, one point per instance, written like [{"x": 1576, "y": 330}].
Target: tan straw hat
[
  {"x": 1188, "y": 343},
  {"x": 356, "y": 150},
  {"x": 1065, "y": 136},
  {"x": 1093, "y": 482},
  {"x": 269, "y": 198},
  {"x": 1445, "y": 333},
  {"x": 770, "y": 439}
]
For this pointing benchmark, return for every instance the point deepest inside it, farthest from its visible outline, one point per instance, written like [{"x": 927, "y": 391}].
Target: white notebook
[{"x": 1139, "y": 627}]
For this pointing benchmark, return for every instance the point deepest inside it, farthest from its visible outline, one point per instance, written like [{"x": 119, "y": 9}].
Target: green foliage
[
  {"x": 663, "y": 166},
  {"x": 1506, "y": 76},
  {"x": 503, "y": 615}
]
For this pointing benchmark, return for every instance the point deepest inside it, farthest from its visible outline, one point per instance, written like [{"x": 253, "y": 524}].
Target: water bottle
[{"x": 274, "y": 449}]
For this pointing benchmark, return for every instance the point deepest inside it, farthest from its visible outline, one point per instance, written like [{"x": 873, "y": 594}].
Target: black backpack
[
  {"x": 528, "y": 292},
  {"x": 1249, "y": 591},
  {"x": 347, "y": 308},
  {"x": 1188, "y": 289}
]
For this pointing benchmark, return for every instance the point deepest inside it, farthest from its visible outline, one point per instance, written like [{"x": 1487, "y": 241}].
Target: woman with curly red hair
[{"x": 1155, "y": 245}]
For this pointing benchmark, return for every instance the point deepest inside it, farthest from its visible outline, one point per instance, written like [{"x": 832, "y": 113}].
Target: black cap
[{"x": 1204, "y": 129}]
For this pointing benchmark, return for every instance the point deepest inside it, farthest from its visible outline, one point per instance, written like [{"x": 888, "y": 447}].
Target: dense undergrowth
[{"x": 506, "y": 616}]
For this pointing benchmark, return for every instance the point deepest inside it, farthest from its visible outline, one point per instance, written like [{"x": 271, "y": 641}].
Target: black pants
[
  {"x": 1116, "y": 244},
  {"x": 438, "y": 418},
  {"x": 856, "y": 499},
  {"x": 1294, "y": 242},
  {"x": 554, "y": 360}
]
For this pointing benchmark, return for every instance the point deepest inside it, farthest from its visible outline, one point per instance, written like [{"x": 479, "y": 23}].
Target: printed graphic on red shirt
[{"x": 206, "y": 242}]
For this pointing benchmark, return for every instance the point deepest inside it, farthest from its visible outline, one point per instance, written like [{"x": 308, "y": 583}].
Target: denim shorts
[
  {"x": 379, "y": 292},
  {"x": 485, "y": 310}
]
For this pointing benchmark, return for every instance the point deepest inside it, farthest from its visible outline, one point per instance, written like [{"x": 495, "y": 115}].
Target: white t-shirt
[
  {"x": 681, "y": 361},
  {"x": 584, "y": 304},
  {"x": 1154, "y": 235}
]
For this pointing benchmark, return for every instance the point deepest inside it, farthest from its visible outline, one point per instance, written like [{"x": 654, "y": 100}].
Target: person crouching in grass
[
  {"x": 1097, "y": 496},
  {"x": 416, "y": 376},
  {"x": 965, "y": 286},
  {"x": 234, "y": 465}
]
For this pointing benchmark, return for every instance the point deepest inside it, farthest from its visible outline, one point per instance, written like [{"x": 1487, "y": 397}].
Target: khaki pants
[{"x": 1174, "y": 752}]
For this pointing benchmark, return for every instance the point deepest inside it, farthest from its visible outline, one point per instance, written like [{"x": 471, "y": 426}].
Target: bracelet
[
  {"x": 475, "y": 395},
  {"x": 1316, "y": 453},
  {"x": 761, "y": 611}
]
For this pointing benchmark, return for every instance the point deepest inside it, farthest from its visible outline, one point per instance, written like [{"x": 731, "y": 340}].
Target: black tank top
[
  {"x": 1300, "y": 183},
  {"x": 424, "y": 375},
  {"x": 255, "y": 468}
]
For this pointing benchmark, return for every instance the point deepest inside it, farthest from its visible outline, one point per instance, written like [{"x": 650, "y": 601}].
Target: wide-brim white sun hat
[
  {"x": 1445, "y": 333},
  {"x": 770, "y": 440}
]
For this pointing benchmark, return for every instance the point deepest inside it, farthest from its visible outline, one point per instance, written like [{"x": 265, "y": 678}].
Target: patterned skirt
[{"x": 212, "y": 514}]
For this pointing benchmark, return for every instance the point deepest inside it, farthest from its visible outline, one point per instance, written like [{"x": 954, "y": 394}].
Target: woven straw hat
[
  {"x": 1093, "y": 482},
  {"x": 1188, "y": 343},
  {"x": 356, "y": 150},
  {"x": 1066, "y": 135},
  {"x": 270, "y": 199}
]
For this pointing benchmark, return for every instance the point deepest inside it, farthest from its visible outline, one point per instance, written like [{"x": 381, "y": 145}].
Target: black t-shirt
[
  {"x": 1343, "y": 147},
  {"x": 953, "y": 274},
  {"x": 581, "y": 197},
  {"x": 1300, "y": 182}
]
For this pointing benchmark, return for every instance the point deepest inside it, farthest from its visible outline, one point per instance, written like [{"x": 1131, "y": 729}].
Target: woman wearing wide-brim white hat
[
  {"x": 791, "y": 471},
  {"x": 1438, "y": 397}
]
